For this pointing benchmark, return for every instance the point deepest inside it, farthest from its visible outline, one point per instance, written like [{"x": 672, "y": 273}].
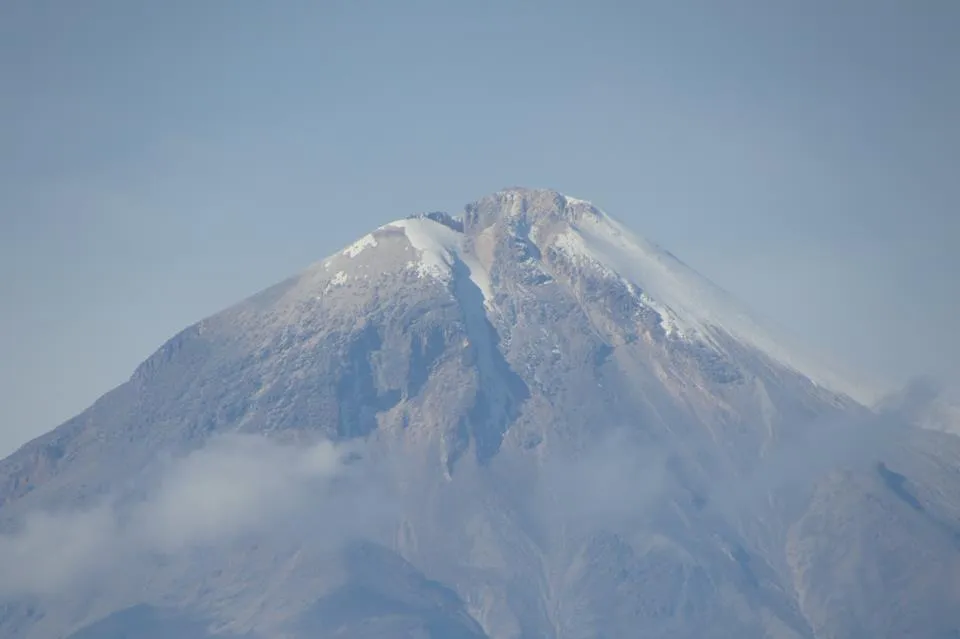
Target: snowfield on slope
[
  {"x": 694, "y": 305},
  {"x": 440, "y": 247}
]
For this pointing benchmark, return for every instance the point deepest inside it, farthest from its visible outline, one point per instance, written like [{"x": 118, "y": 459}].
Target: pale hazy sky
[{"x": 161, "y": 160}]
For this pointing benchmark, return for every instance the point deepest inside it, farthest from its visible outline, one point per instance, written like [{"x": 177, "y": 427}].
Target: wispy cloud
[
  {"x": 233, "y": 486},
  {"x": 53, "y": 551},
  {"x": 814, "y": 448},
  {"x": 607, "y": 485}
]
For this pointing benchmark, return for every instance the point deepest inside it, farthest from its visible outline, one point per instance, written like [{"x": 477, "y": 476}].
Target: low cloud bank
[
  {"x": 242, "y": 485},
  {"x": 233, "y": 486}
]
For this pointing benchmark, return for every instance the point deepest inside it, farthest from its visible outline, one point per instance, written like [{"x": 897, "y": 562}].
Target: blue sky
[{"x": 161, "y": 160}]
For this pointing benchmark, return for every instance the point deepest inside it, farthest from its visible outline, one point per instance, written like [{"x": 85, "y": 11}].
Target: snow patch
[
  {"x": 435, "y": 242},
  {"x": 576, "y": 248},
  {"x": 339, "y": 279},
  {"x": 479, "y": 276},
  {"x": 572, "y": 244},
  {"x": 367, "y": 241},
  {"x": 693, "y": 304},
  {"x": 440, "y": 247},
  {"x": 694, "y": 301},
  {"x": 573, "y": 201},
  {"x": 668, "y": 322}
]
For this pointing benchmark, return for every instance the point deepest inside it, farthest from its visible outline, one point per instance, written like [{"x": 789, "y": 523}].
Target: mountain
[{"x": 523, "y": 421}]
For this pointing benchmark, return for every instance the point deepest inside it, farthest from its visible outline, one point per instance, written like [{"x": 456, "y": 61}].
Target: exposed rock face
[{"x": 544, "y": 426}]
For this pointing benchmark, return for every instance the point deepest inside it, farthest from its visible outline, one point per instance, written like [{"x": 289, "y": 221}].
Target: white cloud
[
  {"x": 233, "y": 486},
  {"x": 52, "y": 551}
]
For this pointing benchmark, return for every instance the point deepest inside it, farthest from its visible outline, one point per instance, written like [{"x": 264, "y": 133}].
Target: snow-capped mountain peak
[{"x": 690, "y": 307}]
